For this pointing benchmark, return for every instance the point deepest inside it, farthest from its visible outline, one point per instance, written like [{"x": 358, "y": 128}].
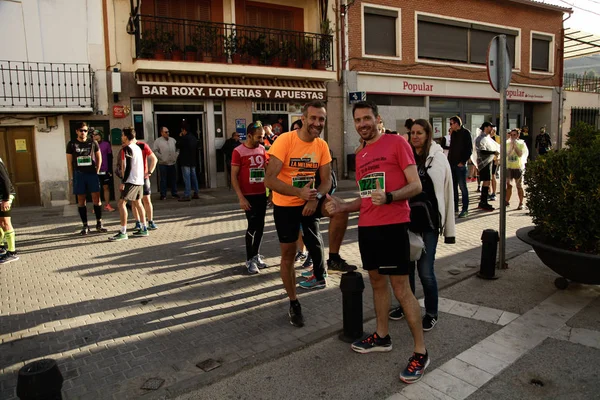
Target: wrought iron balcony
[
  {"x": 176, "y": 39},
  {"x": 581, "y": 83},
  {"x": 33, "y": 85}
]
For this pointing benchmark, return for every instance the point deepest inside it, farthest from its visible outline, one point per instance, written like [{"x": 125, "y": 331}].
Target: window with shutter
[
  {"x": 540, "y": 54},
  {"x": 380, "y": 31},
  {"x": 269, "y": 17},
  {"x": 185, "y": 9}
]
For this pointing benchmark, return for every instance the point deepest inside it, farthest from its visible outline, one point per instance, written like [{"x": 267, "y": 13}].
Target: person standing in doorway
[
  {"x": 167, "y": 153},
  {"x": 461, "y": 148},
  {"x": 105, "y": 175},
  {"x": 248, "y": 165},
  {"x": 387, "y": 177},
  {"x": 132, "y": 185},
  {"x": 7, "y": 196},
  {"x": 543, "y": 143},
  {"x": 188, "y": 159},
  {"x": 84, "y": 160}
]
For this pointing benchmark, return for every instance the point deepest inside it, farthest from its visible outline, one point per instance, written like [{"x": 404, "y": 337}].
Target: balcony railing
[
  {"x": 45, "y": 85},
  {"x": 581, "y": 83},
  {"x": 162, "y": 38}
]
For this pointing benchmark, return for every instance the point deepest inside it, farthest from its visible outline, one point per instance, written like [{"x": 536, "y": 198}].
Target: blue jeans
[
  {"x": 427, "y": 273},
  {"x": 459, "y": 179},
  {"x": 168, "y": 178},
  {"x": 189, "y": 179}
]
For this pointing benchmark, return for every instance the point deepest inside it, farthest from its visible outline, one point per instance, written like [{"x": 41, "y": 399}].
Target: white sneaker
[
  {"x": 252, "y": 267},
  {"x": 259, "y": 261}
]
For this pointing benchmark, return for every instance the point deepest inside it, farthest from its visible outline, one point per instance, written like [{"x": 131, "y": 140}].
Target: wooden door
[{"x": 17, "y": 150}]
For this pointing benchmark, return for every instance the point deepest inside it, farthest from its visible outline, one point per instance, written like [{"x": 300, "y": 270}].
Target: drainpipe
[
  {"x": 559, "y": 139},
  {"x": 344, "y": 67}
]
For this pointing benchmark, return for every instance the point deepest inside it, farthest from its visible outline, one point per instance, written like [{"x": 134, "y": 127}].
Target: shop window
[
  {"x": 540, "y": 53},
  {"x": 269, "y": 107},
  {"x": 458, "y": 41},
  {"x": 136, "y": 105},
  {"x": 381, "y": 31}
]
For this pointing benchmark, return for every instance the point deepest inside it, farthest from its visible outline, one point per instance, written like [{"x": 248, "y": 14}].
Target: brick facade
[{"x": 503, "y": 13}]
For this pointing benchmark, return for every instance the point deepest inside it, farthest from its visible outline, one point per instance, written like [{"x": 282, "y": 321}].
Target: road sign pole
[{"x": 502, "y": 86}]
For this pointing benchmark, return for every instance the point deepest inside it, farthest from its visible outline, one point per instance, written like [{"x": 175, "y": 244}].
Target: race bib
[
  {"x": 257, "y": 175},
  {"x": 513, "y": 158},
  {"x": 301, "y": 180},
  {"x": 84, "y": 161},
  {"x": 368, "y": 183}
]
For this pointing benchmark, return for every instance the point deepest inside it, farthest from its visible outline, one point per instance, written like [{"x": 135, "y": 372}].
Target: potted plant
[
  {"x": 147, "y": 46},
  {"x": 190, "y": 52},
  {"x": 563, "y": 196},
  {"x": 207, "y": 35},
  {"x": 273, "y": 52},
  {"x": 164, "y": 43},
  {"x": 325, "y": 41},
  {"x": 306, "y": 53},
  {"x": 233, "y": 47},
  {"x": 256, "y": 48},
  {"x": 288, "y": 53},
  {"x": 176, "y": 53}
]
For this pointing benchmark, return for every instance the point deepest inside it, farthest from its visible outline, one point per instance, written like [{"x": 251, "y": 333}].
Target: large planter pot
[{"x": 570, "y": 265}]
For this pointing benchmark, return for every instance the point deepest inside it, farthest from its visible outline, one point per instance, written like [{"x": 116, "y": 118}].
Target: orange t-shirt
[{"x": 300, "y": 163}]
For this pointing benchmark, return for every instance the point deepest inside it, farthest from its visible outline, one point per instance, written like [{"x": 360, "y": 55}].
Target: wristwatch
[
  {"x": 319, "y": 196},
  {"x": 388, "y": 198}
]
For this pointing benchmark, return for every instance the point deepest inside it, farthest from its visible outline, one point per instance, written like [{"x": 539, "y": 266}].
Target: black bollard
[
  {"x": 352, "y": 287},
  {"x": 489, "y": 250},
  {"x": 40, "y": 380}
]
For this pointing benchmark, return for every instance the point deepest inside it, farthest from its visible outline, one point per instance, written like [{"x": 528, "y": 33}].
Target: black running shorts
[
  {"x": 485, "y": 173},
  {"x": 385, "y": 248}
]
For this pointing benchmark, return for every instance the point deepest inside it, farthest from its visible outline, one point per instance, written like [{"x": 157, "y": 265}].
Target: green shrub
[
  {"x": 582, "y": 135},
  {"x": 563, "y": 193}
]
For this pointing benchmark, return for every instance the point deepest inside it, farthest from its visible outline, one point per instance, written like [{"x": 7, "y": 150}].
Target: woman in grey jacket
[{"x": 436, "y": 179}]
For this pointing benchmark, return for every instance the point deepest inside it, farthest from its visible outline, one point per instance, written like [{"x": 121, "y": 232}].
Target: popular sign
[{"x": 220, "y": 92}]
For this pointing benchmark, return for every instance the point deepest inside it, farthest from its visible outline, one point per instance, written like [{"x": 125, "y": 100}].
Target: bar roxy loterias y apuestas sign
[{"x": 220, "y": 92}]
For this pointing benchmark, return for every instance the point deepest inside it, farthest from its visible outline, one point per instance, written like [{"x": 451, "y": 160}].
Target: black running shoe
[
  {"x": 295, "y": 315},
  {"x": 485, "y": 207},
  {"x": 340, "y": 265},
  {"x": 396, "y": 314},
  {"x": 372, "y": 343},
  {"x": 100, "y": 228},
  {"x": 85, "y": 230},
  {"x": 429, "y": 322},
  {"x": 416, "y": 368}
]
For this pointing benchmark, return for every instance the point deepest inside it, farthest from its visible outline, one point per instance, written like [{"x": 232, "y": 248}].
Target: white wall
[{"x": 576, "y": 99}]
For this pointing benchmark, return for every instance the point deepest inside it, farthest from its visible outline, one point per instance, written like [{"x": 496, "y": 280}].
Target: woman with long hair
[{"x": 436, "y": 180}]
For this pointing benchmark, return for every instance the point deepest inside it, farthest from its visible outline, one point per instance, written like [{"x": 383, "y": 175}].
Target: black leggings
[{"x": 256, "y": 223}]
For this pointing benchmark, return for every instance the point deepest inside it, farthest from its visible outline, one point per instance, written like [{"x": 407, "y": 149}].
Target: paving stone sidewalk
[{"x": 116, "y": 314}]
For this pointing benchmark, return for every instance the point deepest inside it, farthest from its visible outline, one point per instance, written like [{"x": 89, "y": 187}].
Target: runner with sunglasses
[{"x": 84, "y": 160}]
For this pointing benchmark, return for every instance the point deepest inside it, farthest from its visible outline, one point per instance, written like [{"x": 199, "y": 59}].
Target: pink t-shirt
[
  {"x": 385, "y": 160},
  {"x": 252, "y": 163}
]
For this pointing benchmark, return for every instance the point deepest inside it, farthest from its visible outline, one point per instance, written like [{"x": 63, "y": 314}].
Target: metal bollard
[
  {"x": 40, "y": 380},
  {"x": 352, "y": 287},
  {"x": 489, "y": 250}
]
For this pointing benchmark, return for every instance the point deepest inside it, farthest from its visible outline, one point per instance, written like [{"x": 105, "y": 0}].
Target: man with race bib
[
  {"x": 84, "y": 161},
  {"x": 294, "y": 160},
  {"x": 387, "y": 177}
]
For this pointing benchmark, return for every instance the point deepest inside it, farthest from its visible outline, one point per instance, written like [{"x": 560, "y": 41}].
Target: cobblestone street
[{"x": 116, "y": 314}]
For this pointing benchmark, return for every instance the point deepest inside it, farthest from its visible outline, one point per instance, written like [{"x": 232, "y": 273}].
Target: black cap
[{"x": 486, "y": 124}]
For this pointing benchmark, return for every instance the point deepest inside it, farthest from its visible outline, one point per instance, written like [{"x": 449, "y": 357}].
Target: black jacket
[
  {"x": 6, "y": 187},
  {"x": 461, "y": 147},
  {"x": 188, "y": 150}
]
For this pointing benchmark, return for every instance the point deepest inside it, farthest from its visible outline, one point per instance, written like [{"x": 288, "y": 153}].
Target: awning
[
  {"x": 580, "y": 44},
  {"x": 208, "y": 86}
]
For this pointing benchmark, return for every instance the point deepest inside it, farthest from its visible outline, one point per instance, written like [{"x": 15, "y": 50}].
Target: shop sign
[
  {"x": 120, "y": 111},
  {"x": 240, "y": 128},
  {"x": 220, "y": 92},
  {"x": 451, "y": 88}
]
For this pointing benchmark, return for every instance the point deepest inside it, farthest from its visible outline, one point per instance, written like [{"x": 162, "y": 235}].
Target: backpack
[{"x": 422, "y": 211}]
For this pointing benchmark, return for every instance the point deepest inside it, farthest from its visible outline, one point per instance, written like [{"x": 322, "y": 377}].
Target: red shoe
[{"x": 108, "y": 208}]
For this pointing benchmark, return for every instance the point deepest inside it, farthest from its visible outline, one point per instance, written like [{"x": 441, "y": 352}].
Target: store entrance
[{"x": 195, "y": 122}]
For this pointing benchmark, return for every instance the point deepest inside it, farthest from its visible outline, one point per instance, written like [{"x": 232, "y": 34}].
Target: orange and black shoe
[
  {"x": 373, "y": 343},
  {"x": 416, "y": 368}
]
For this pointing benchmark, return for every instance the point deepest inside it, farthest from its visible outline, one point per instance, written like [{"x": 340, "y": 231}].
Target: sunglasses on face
[{"x": 83, "y": 130}]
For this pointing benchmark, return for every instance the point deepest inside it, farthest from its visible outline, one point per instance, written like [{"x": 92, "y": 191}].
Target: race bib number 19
[
  {"x": 368, "y": 183},
  {"x": 257, "y": 175},
  {"x": 301, "y": 181}
]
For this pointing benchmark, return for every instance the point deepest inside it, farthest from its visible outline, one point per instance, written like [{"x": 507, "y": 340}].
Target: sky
[{"x": 586, "y": 14}]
